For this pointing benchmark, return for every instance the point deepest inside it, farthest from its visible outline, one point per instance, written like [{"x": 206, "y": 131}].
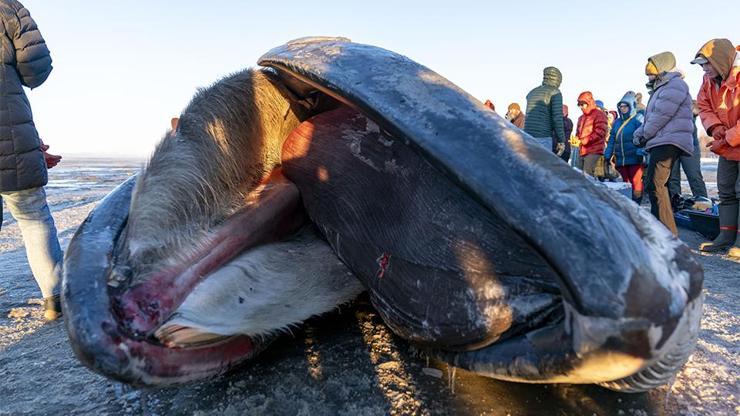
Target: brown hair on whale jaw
[
  {"x": 209, "y": 196},
  {"x": 227, "y": 140}
]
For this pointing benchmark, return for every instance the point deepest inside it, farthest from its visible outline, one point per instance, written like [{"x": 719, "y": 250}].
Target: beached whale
[{"x": 281, "y": 189}]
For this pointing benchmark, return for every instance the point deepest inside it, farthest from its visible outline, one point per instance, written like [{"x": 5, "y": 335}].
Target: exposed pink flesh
[
  {"x": 276, "y": 213},
  {"x": 155, "y": 364}
]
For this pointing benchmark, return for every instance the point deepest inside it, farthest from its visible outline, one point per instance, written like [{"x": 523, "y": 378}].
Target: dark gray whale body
[{"x": 473, "y": 241}]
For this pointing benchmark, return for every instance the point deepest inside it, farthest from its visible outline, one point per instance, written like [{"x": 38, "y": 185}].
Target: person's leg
[
  {"x": 735, "y": 249},
  {"x": 589, "y": 164},
  {"x": 39, "y": 236},
  {"x": 692, "y": 168},
  {"x": 624, "y": 172},
  {"x": 727, "y": 177},
  {"x": 566, "y": 154},
  {"x": 674, "y": 182},
  {"x": 627, "y": 173},
  {"x": 662, "y": 159},
  {"x": 635, "y": 172},
  {"x": 650, "y": 187}
]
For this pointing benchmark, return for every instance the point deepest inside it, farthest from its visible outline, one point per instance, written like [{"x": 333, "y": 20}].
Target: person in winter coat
[
  {"x": 640, "y": 105},
  {"x": 591, "y": 132},
  {"x": 666, "y": 132},
  {"x": 515, "y": 116},
  {"x": 568, "y": 127},
  {"x": 25, "y": 61},
  {"x": 691, "y": 166},
  {"x": 719, "y": 110},
  {"x": 620, "y": 148},
  {"x": 544, "y": 110}
]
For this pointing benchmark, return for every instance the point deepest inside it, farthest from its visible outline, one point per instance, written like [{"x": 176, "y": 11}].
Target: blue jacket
[{"x": 620, "y": 140}]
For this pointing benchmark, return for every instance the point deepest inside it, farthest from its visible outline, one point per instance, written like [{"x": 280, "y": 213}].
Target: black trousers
[
  {"x": 662, "y": 159},
  {"x": 692, "y": 167},
  {"x": 728, "y": 181}
]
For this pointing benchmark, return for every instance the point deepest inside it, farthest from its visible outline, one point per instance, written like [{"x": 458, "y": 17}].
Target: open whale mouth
[
  {"x": 272, "y": 213},
  {"x": 471, "y": 239}
]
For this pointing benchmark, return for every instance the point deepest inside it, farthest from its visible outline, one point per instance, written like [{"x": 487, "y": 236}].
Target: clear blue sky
[{"x": 124, "y": 68}]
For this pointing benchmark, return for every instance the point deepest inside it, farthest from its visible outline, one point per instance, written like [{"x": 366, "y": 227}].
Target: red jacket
[
  {"x": 720, "y": 105},
  {"x": 592, "y": 127}
]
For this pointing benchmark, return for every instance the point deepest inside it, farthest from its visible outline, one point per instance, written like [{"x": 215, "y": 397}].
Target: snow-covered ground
[{"x": 347, "y": 363}]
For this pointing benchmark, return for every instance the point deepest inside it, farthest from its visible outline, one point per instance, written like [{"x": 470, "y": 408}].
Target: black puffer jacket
[
  {"x": 24, "y": 60},
  {"x": 545, "y": 108}
]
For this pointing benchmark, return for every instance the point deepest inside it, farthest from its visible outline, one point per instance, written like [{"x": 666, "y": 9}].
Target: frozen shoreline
[{"x": 346, "y": 363}]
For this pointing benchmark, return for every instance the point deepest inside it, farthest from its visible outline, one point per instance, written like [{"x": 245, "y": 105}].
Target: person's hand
[
  {"x": 718, "y": 133},
  {"x": 716, "y": 145},
  {"x": 560, "y": 149},
  {"x": 638, "y": 141},
  {"x": 50, "y": 159}
]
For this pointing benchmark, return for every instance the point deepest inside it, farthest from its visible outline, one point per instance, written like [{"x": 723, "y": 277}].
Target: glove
[
  {"x": 50, "y": 159},
  {"x": 718, "y": 133},
  {"x": 560, "y": 149},
  {"x": 639, "y": 141},
  {"x": 716, "y": 145}
]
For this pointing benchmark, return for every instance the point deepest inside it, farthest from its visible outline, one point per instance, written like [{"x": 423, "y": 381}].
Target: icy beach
[{"x": 346, "y": 363}]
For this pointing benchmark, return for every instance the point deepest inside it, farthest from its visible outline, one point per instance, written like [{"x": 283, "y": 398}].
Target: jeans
[
  {"x": 44, "y": 254},
  {"x": 692, "y": 167},
  {"x": 662, "y": 159},
  {"x": 728, "y": 181}
]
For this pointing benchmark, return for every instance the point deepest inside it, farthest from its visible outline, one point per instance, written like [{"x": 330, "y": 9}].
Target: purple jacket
[{"x": 668, "y": 117}]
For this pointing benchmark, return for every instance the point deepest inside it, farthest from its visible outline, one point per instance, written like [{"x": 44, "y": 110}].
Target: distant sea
[
  {"x": 96, "y": 176},
  {"x": 83, "y": 175}
]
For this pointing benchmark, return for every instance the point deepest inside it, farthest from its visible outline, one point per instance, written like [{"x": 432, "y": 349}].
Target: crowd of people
[{"x": 648, "y": 145}]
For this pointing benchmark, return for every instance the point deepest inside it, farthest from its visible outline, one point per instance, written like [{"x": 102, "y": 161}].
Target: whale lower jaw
[
  {"x": 669, "y": 360},
  {"x": 617, "y": 370}
]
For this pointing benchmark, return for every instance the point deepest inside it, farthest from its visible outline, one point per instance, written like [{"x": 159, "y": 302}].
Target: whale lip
[
  {"x": 96, "y": 334},
  {"x": 272, "y": 211}
]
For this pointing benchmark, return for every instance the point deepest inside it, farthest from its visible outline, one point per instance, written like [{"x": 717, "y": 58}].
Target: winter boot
[
  {"x": 735, "y": 249},
  {"x": 728, "y": 218},
  {"x": 52, "y": 308}
]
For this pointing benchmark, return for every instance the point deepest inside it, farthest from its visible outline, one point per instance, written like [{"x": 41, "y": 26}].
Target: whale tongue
[{"x": 273, "y": 211}]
